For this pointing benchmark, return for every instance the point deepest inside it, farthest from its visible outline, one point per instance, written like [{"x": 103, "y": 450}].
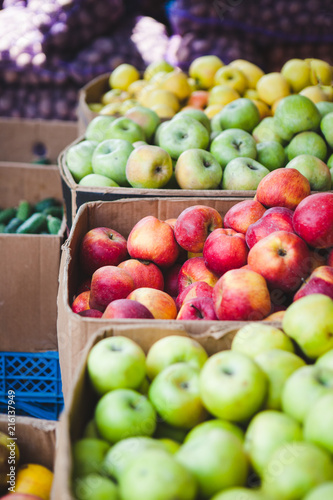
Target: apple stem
[{"x": 200, "y": 315}]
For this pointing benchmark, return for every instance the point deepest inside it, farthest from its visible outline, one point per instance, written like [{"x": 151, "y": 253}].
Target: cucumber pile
[{"x": 45, "y": 217}]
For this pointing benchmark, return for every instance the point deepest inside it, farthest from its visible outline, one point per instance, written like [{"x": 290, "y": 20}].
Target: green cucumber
[
  {"x": 7, "y": 214},
  {"x": 55, "y": 211},
  {"x": 53, "y": 224},
  {"x": 12, "y": 225},
  {"x": 34, "y": 224},
  {"x": 45, "y": 203},
  {"x": 24, "y": 210}
]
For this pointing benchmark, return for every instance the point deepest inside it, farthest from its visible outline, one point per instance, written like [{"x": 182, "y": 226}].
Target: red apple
[
  {"x": 182, "y": 256},
  {"x": 153, "y": 239},
  {"x": 199, "y": 308},
  {"x": 241, "y": 295},
  {"x": 171, "y": 222},
  {"x": 330, "y": 258},
  {"x": 274, "y": 219},
  {"x": 283, "y": 187},
  {"x": 225, "y": 249},
  {"x": 194, "y": 270},
  {"x": 197, "y": 289},
  {"x": 91, "y": 313},
  {"x": 171, "y": 279},
  {"x": 313, "y": 220},
  {"x": 126, "y": 308},
  {"x": 144, "y": 273},
  {"x": 319, "y": 281},
  {"x": 101, "y": 246},
  {"x": 109, "y": 283},
  {"x": 244, "y": 213},
  {"x": 319, "y": 257},
  {"x": 283, "y": 259},
  {"x": 193, "y": 226},
  {"x": 81, "y": 302},
  {"x": 159, "y": 303},
  {"x": 198, "y": 99}
]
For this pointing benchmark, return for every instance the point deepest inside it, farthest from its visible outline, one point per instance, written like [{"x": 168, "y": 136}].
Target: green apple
[
  {"x": 97, "y": 180},
  {"x": 294, "y": 469},
  {"x": 203, "y": 70},
  {"x": 326, "y": 127},
  {"x": 255, "y": 338},
  {"x": 158, "y": 132},
  {"x": 149, "y": 167},
  {"x": 266, "y": 432},
  {"x": 96, "y": 129},
  {"x": 297, "y": 74},
  {"x": 215, "y": 124},
  {"x": 90, "y": 430},
  {"x": 181, "y": 134},
  {"x": 157, "y": 475},
  {"x": 314, "y": 169},
  {"x": 326, "y": 360},
  {"x": 78, "y": 159},
  {"x": 110, "y": 158},
  {"x": 197, "y": 114},
  {"x": 266, "y": 131},
  {"x": 170, "y": 445},
  {"x": 324, "y": 107},
  {"x": 95, "y": 487},
  {"x": 271, "y": 154},
  {"x": 233, "y": 143},
  {"x": 137, "y": 144},
  {"x": 303, "y": 388},
  {"x": 309, "y": 321},
  {"x": 88, "y": 456},
  {"x": 156, "y": 67},
  {"x": 114, "y": 363},
  {"x": 241, "y": 114},
  {"x": 125, "y": 451},
  {"x": 318, "y": 423},
  {"x": 175, "y": 395},
  {"x": 215, "y": 423},
  {"x": 309, "y": 143},
  {"x": 324, "y": 490},
  {"x": 243, "y": 174},
  {"x": 146, "y": 118},
  {"x": 330, "y": 166},
  {"x": 239, "y": 494},
  {"x": 198, "y": 169},
  {"x": 174, "y": 349},
  {"x": 278, "y": 366},
  {"x": 232, "y": 386},
  {"x": 295, "y": 113},
  {"x": 216, "y": 459},
  {"x": 124, "y": 413},
  {"x": 124, "y": 128},
  {"x": 166, "y": 431}
]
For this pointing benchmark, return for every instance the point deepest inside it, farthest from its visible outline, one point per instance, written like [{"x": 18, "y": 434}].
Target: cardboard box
[
  {"x": 21, "y": 140},
  {"x": 29, "y": 264},
  {"x": 90, "y": 93},
  {"x": 82, "y": 400},
  {"x": 74, "y": 331},
  {"x": 75, "y": 195}
]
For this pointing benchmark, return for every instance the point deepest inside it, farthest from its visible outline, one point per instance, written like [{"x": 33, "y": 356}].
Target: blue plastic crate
[{"x": 36, "y": 380}]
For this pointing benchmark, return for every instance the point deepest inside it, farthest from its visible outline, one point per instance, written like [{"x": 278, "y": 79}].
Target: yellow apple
[
  {"x": 165, "y": 97},
  {"x": 114, "y": 95},
  {"x": 297, "y": 74},
  {"x": 176, "y": 82},
  {"x": 156, "y": 67},
  {"x": 263, "y": 108},
  {"x": 122, "y": 76},
  {"x": 222, "y": 94},
  {"x": 135, "y": 88},
  {"x": 272, "y": 86},
  {"x": 193, "y": 85},
  {"x": 328, "y": 90},
  {"x": 321, "y": 72},
  {"x": 95, "y": 107},
  {"x": 274, "y": 105},
  {"x": 251, "y": 94},
  {"x": 111, "y": 108},
  {"x": 213, "y": 109},
  {"x": 203, "y": 70},
  {"x": 233, "y": 77},
  {"x": 163, "y": 110},
  {"x": 315, "y": 93},
  {"x": 252, "y": 72}
]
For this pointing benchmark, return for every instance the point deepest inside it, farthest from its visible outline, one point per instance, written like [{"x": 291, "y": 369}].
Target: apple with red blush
[
  {"x": 197, "y": 289},
  {"x": 225, "y": 249},
  {"x": 109, "y": 283},
  {"x": 319, "y": 281},
  {"x": 126, "y": 308},
  {"x": 144, "y": 273},
  {"x": 240, "y": 216},
  {"x": 171, "y": 279},
  {"x": 193, "y": 270},
  {"x": 274, "y": 219},
  {"x": 81, "y": 302},
  {"x": 160, "y": 304},
  {"x": 199, "y": 308},
  {"x": 100, "y": 247},
  {"x": 330, "y": 258},
  {"x": 91, "y": 313}
]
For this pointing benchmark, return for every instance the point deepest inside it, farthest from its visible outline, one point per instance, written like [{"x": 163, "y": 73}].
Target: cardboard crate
[
  {"x": 23, "y": 140},
  {"x": 82, "y": 399},
  {"x": 75, "y": 331},
  {"x": 75, "y": 195},
  {"x": 29, "y": 264},
  {"x": 90, "y": 93},
  {"x": 36, "y": 439}
]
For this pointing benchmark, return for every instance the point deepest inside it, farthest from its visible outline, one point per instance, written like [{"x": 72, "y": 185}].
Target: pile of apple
[
  {"x": 250, "y": 423},
  {"x": 233, "y": 149},
  {"x": 272, "y": 250}
]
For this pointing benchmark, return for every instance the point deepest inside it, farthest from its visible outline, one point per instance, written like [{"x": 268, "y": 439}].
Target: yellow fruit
[
  {"x": 328, "y": 91},
  {"x": 144, "y": 93},
  {"x": 34, "y": 479},
  {"x": 95, "y": 107},
  {"x": 122, "y": 76},
  {"x": 203, "y": 70},
  {"x": 320, "y": 72},
  {"x": 222, "y": 94},
  {"x": 231, "y": 76},
  {"x": 252, "y": 72},
  {"x": 163, "y": 110},
  {"x": 213, "y": 109},
  {"x": 176, "y": 82},
  {"x": 161, "y": 96},
  {"x": 111, "y": 109},
  {"x": 297, "y": 74},
  {"x": 271, "y": 87},
  {"x": 156, "y": 67},
  {"x": 114, "y": 95},
  {"x": 128, "y": 104},
  {"x": 193, "y": 86},
  {"x": 251, "y": 94},
  {"x": 274, "y": 105},
  {"x": 135, "y": 88},
  {"x": 263, "y": 108},
  {"x": 315, "y": 93}
]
